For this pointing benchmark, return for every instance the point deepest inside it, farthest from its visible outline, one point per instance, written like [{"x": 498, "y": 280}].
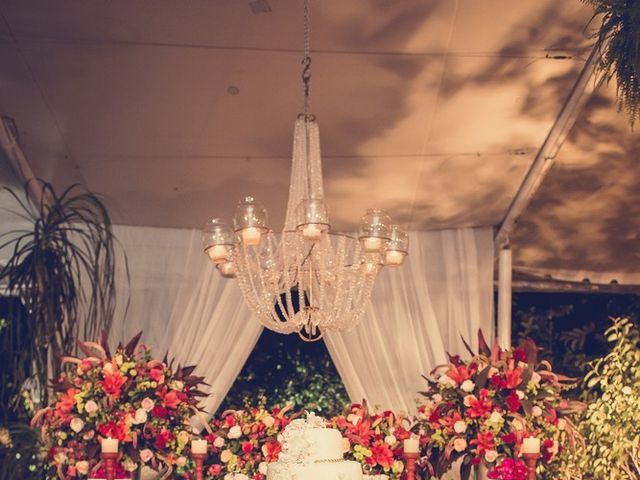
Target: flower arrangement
[
  {"x": 374, "y": 439},
  {"x": 128, "y": 396},
  {"x": 479, "y": 412},
  {"x": 244, "y": 441}
]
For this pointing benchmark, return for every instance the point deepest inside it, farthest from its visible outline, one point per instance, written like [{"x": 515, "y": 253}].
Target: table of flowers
[{"x": 123, "y": 414}]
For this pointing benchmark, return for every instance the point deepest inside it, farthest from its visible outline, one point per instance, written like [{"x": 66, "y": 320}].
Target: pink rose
[{"x": 147, "y": 404}]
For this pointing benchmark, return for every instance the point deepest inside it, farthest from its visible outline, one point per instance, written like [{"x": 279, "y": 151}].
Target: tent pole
[
  {"x": 546, "y": 155},
  {"x": 504, "y": 298}
]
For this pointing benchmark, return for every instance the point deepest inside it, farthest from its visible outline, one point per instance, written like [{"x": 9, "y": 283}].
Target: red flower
[
  {"x": 215, "y": 469},
  {"x": 271, "y": 450},
  {"x": 112, "y": 383},
  {"x": 230, "y": 420},
  {"x": 519, "y": 355},
  {"x": 162, "y": 439},
  {"x": 513, "y": 402},
  {"x": 513, "y": 378},
  {"x": 159, "y": 411},
  {"x": 247, "y": 447},
  {"x": 169, "y": 399},
  {"x": 381, "y": 455},
  {"x": 157, "y": 374},
  {"x": 510, "y": 438},
  {"x": 484, "y": 442},
  {"x": 480, "y": 407},
  {"x": 459, "y": 374},
  {"x": 509, "y": 469},
  {"x": 496, "y": 382},
  {"x": 112, "y": 429}
]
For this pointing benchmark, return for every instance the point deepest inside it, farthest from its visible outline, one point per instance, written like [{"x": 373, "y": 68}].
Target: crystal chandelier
[{"x": 307, "y": 279}]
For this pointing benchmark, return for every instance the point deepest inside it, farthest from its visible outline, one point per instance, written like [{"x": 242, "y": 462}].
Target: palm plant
[
  {"x": 618, "y": 41},
  {"x": 63, "y": 271}
]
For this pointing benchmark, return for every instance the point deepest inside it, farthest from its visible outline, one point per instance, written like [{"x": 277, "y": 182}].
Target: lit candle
[
  {"x": 311, "y": 232},
  {"x": 227, "y": 269},
  {"x": 198, "y": 446},
  {"x": 251, "y": 236},
  {"x": 393, "y": 257},
  {"x": 372, "y": 244},
  {"x": 109, "y": 445},
  {"x": 412, "y": 445},
  {"x": 531, "y": 446},
  {"x": 218, "y": 253}
]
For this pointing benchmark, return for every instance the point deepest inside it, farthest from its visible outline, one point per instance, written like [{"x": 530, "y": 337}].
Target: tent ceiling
[{"x": 431, "y": 109}]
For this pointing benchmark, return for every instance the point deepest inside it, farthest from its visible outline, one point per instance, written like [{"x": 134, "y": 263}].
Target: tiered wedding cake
[{"x": 310, "y": 451}]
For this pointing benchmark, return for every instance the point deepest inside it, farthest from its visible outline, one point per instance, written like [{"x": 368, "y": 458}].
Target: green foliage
[
  {"x": 286, "y": 370},
  {"x": 62, "y": 269},
  {"x": 618, "y": 40},
  {"x": 19, "y": 453},
  {"x": 611, "y": 423}
]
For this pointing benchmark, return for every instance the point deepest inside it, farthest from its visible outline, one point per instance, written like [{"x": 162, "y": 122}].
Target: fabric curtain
[
  {"x": 183, "y": 306},
  {"x": 419, "y": 311}
]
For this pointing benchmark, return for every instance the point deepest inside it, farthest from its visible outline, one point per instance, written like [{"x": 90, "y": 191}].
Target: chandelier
[{"x": 307, "y": 279}]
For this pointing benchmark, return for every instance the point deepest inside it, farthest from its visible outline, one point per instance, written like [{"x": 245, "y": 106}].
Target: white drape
[
  {"x": 420, "y": 311},
  {"x": 184, "y": 306}
]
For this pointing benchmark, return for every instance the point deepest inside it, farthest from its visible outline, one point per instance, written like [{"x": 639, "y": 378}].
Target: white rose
[
  {"x": 146, "y": 455},
  {"x": 229, "y": 476},
  {"x": 177, "y": 385},
  {"x": 518, "y": 425},
  {"x": 240, "y": 476},
  {"x": 468, "y": 386},
  {"x": 181, "y": 461},
  {"x": 140, "y": 417},
  {"x": 536, "y": 411},
  {"x": 468, "y": 399},
  {"x": 520, "y": 394},
  {"x": 353, "y": 418},
  {"x": 437, "y": 398},
  {"x": 460, "y": 426},
  {"x": 262, "y": 468},
  {"x": 218, "y": 442},
  {"x": 83, "y": 467},
  {"x": 147, "y": 404},
  {"x": 447, "y": 382},
  {"x": 226, "y": 455},
  {"x": 76, "y": 424},
  {"x": 91, "y": 407},
  {"x": 490, "y": 456},
  {"x": 398, "y": 466},
  {"x": 268, "y": 421},
  {"x": 235, "y": 432},
  {"x": 562, "y": 424},
  {"x": 390, "y": 440},
  {"x": 495, "y": 417},
  {"x": 627, "y": 390},
  {"x": 459, "y": 444}
]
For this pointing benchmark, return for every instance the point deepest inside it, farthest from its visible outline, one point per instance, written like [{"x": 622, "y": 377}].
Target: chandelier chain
[{"x": 306, "y": 61}]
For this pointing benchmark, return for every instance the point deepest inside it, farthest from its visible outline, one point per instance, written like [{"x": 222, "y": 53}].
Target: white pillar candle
[
  {"x": 218, "y": 253},
  {"x": 531, "y": 445},
  {"x": 199, "y": 446},
  {"x": 251, "y": 236},
  {"x": 412, "y": 445},
  {"x": 311, "y": 232},
  {"x": 372, "y": 244},
  {"x": 393, "y": 257},
  {"x": 109, "y": 445}
]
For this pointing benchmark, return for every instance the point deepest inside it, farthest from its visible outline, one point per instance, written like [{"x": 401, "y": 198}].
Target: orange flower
[
  {"x": 170, "y": 399},
  {"x": 66, "y": 403}
]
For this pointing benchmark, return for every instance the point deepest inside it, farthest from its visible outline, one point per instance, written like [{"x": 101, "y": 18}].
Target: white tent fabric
[
  {"x": 419, "y": 312},
  {"x": 184, "y": 306}
]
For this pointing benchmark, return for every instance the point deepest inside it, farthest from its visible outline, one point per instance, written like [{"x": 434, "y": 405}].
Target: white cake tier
[
  {"x": 343, "y": 470},
  {"x": 304, "y": 443}
]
